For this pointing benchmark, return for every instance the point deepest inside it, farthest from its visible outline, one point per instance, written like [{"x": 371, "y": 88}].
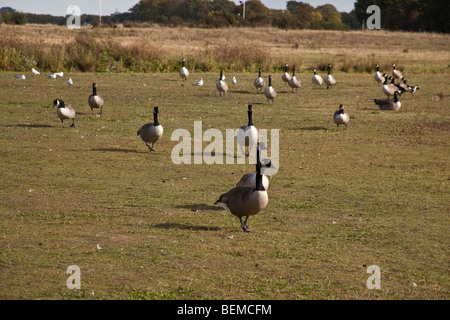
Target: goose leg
[
  {"x": 73, "y": 123},
  {"x": 245, "y": 225},
  {"x": 150, "y": 148},
  {"x": 101, "y": 111},
  {"x": 62, "y": 122}
]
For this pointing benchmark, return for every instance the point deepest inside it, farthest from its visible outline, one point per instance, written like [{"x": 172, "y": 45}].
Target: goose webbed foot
[{"x": 150, "y": 148}]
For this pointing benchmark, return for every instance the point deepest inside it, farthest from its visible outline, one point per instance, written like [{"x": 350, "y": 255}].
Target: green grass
[{"x": 376, "y": 193}]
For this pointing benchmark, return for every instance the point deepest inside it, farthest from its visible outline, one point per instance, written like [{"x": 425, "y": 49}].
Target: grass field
[{"x": 141, "y": 227}]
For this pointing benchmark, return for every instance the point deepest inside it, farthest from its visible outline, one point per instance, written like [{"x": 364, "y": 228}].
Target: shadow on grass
[
  {"x": 184, "y": 227},
  {"x": 114, "y": 150},
  {"x": 200, "y": 206},
  {"x": 314, "y": 128},
  {"x": 32, "y": 125}
]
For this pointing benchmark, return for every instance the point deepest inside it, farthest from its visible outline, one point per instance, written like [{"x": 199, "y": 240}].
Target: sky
[{"x": 59, "y": 7}]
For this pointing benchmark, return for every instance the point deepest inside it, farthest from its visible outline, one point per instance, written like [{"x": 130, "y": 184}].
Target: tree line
[{"x": 408, "y": 15}]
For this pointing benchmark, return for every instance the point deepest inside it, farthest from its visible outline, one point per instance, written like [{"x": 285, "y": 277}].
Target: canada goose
[
  {"x": 95, "y": 101},
  {"x": 22, "y": 77},
  {"x": 221, "y": 85},
  {"x": 248, "y": 137},
  {"x": 246, "y": 201},
  {"x": 390, "y": 88},
  {"x": 199, "y": 83},
  {"x": 233, "y": 81},
  {"x": 70, "y": 82},
  {"x": 64, "y": 111},
  {"x": 151, "y": 132},
  {"x": 411, "y": 89},
  {"x": 379, "y": 77},
  {"x": 329, "y": 79},
  {"x": 397, "y": 74},
  {"x": 270, "y": 92},
  {"x": 294, "y": 83},
  {"x": 316, "y": 79},
  {"x": 389, "y": 104},
  {"x": 259, "y": 82},
  {"x": 286, "y": 76},
  {"x": 341, "y": 116},
  {"x": 184, "y": 73},
  {"x": 35, "y": 71},
  {"x": 249, "y": 179}
]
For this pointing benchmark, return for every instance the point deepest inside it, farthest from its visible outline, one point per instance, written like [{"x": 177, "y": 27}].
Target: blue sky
[{"x": 59, "y": 7}]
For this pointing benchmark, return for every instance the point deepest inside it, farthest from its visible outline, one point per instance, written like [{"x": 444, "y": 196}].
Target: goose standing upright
[
  {"x": 379, "y": 77},
  {"x": 316, "y": 79},
  {"x": 389, "y": 104},
  {"x": 294, "y": 83},
  {"x": 248, "y": 135},
  {"x": 389, "y": 88},
  {"x": 184, "y": 72},
  {"x": 395, "y": 73},
  {"x": 221, "y": 85},
  {"x": 259, "y": 82},
  {"x": 249, "y": 179},
  {"x": 286, "y": 76},
  {"x": 246, "y": 201},
  {"x": 64, "y": 112},
  {"x": 270, "y": 92},
  {"x": 151, "y": 132},
  {"x": 95, "y": 101},
  {"x": 329, "y": 79},
  {"x": 341, "y": 116}
]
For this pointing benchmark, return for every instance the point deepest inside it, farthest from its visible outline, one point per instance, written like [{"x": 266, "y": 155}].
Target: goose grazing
[
  {"x": 199, "y": 83},
  {"x": 21, "y": 77},
  {"x": 95, "y": 101},
  {"x": 259, "y": 82},
  {"x": 64, "y": 111},
  {"x": 294, "y": 83},
  {"x": 379, "y": 77},
  {"x": 286, "y": 76},
  {"x": 233, "y": 81},
  {"x": 184, "y": 73},
  {"x": 35, "y": 71},
  {"x": 389, "y": 104},
  {"x": 341, "y": 116},
  {"x": 248, "y": 137},
  {"x": 221, "y": 85},
  {"x": 270, "y": 92},
  {"x": 411, "y": 89},
  {"x": 244, "y": 201},
  {"x": 397, "y": 74},
  {"x": 329, "y": 79},
  {"x": 70, "y": 82},
  {"x": 389, "y": 89},
  {"x": 316, "y": 79},
  {"x": 151, "y": 132}
]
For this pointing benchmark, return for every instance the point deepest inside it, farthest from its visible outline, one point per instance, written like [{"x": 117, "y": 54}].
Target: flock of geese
[{"x": 249, "y": 196}]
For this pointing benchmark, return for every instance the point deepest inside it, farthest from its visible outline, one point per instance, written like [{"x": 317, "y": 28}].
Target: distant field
[
  {"x": 373, "y": 194},
  {"x": 234, "y": 49}
]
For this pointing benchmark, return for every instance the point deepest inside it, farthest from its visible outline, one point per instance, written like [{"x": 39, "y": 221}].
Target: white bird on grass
[
  {"x": 35, "y": 71},
  {"x": 200, "y": 83},
  {"x": 233, "y": 80},
  {"x": 70, "y": 82},
  {"x": 22, "y": 77},
  {"x": 52, "y": 76}
]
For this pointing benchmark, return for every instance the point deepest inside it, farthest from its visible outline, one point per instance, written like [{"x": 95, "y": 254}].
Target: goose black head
[
  {"x": 293, "y": 70},
  {"x": 59, "y": 103},
  {"x": 285, "y": 67},
  {"x": 221, "y": 75},
  {"x": 341, "y": 108},
  {"x": 259, "y": 72},
  {"x": 270, "y": 81},
  {"x": 94, "y": 89},
  {"x": 329, "y": 68},
  {"x": 250, "y": 118},
  {"x": 155, "y": 116}
]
